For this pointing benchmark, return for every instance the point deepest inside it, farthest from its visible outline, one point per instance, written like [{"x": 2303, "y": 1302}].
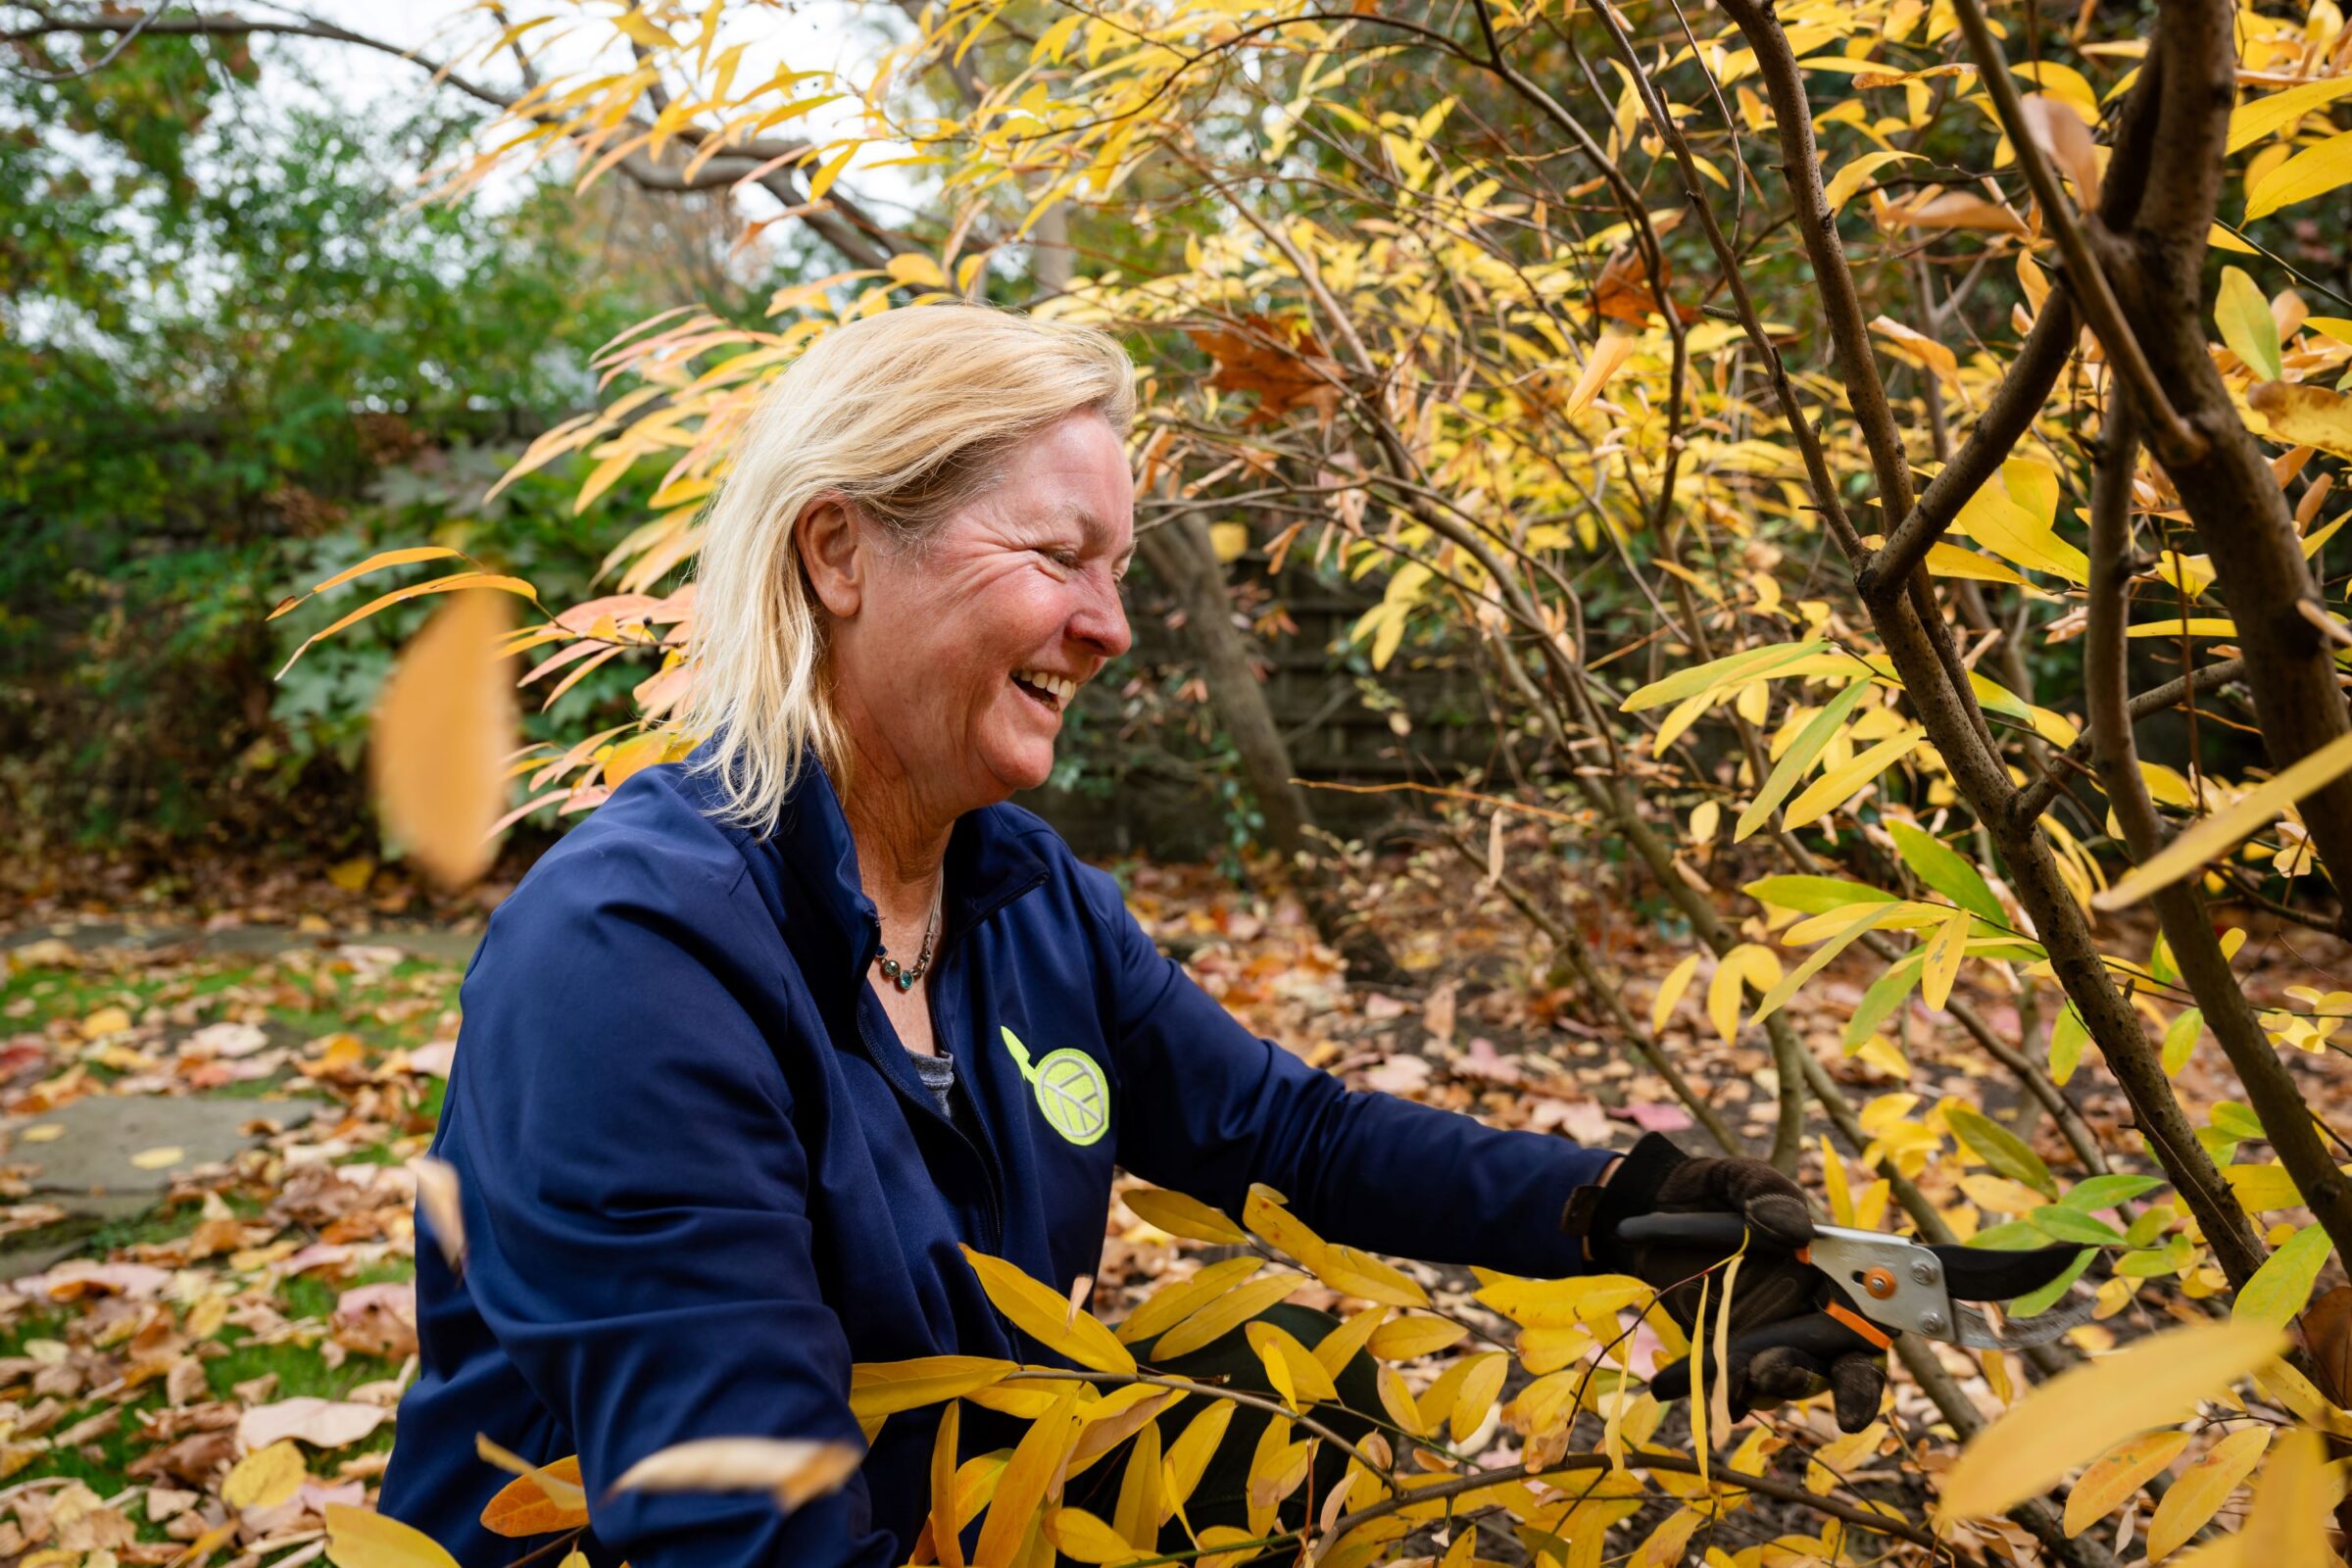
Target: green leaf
[
  {"x": 2096, "y": 1193},
  {"x": 2041, "y": 1300},
  {"x": 1886, "y": 994},
  {"x": 2238, "y": 1121},
  {"x": 2181, "y": 1039},
  {"x": 2243, "y": 314},
  {"x": 1814, "y": 894},
  {"x": 2068, "y": 1036},
  {"x": 2015, "y": 1235},
  {"x": 1945, "y": 869},
  {"x": 2001, "y": 1148},
  {"x": 2145, "y": 1265},
  {"x": 2062, "y": 1224},
  {"x": 1798, "y": 760},
  {"x": 2281, "y": 1286},
  {"x": 1754, "y": 663}
]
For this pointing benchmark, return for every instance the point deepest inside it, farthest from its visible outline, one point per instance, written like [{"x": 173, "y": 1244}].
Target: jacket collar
[{"x": 989, "y": 863}]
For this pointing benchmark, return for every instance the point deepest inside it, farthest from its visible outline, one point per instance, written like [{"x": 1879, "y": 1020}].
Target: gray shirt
[{"x": 938, "y": 1075}]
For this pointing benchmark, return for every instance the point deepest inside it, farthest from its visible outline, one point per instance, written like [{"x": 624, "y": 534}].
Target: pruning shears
[{"x": 1892, "y": 1284}]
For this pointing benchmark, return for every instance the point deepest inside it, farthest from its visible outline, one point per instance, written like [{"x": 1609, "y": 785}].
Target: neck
[{"x": 900, "y": 846}]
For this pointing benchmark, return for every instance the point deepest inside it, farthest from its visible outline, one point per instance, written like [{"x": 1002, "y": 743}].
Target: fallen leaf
[
  {"x": 265, "y": 1478},
  {"x": 307, "y": 1419},
  {"x": 159, "y": 1159}
]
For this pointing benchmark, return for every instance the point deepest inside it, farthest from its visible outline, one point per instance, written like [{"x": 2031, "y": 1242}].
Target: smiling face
[{"x": 953, "y": 662}]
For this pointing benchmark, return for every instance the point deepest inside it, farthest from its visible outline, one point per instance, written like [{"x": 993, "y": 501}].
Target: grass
[{"x": 300, "y": 998}]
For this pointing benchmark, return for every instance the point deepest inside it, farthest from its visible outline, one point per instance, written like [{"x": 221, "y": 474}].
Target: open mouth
[{"x": 1048, "y": 690}]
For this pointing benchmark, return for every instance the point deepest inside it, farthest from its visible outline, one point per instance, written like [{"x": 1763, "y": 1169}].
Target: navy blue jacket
[{"x": 700, "y": 1177}]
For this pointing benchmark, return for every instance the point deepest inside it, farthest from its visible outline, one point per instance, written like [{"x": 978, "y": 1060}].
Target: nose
[{"x": 1100, "y": 619}]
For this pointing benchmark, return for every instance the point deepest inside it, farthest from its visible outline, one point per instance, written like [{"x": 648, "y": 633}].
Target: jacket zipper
[{"x": 981, "y": 1147}]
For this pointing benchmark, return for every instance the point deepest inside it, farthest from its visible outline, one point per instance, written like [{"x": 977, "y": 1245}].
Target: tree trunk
[{"x": 1181, "y": 556}]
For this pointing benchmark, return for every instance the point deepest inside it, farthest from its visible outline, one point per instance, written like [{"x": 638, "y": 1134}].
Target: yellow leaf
[
  {"x": 2313, "y": 171},
  {"x": 159, "y": 1159},
  {"x": 1670, "y": 992},
  {"x": 1747, "y": 964},
  {"x": 1608, "y": 358},
  {"x": 2286, "y": 1524},
  {"x": 2213, "y": 837},
  {"x": 1480, "y": 1385},
  {"x": 442, "y": 732},
  {"x": 374, "y": 562},
  {"x": 1142, "y": 1490},
  {"x": 2258, "y": 118},
  {"x": 2086, "y": 1408},
  {"x": 2119, "y": 1471},
  {"x": 1293, "y": 1369},
  {"x": 265, "y": 1478},
  {"x": 106, "y": 1021},
  {"x": 1079, "y": 1534},
  {"x": 1919, "y": 348},
  {"x": 916, "y": 271},
  {"x": 2243, "y": 314},
  {"x": 1173, "y": 1302},
  {"x": 1226, "y": 1314},
  {"x": 1854, "y": 175},
  {"x": 1028, "y": 1477},
  {"x": 1044, "y": 1315},
  {"x": 1190, "y": 1453},
  {"x": 2304, "y": 415},
  {"x": 362, "y": 1538},
  {"x": 1230, "y": 541},
  {"x": 1407, "y": 1339},
  {"x": 1184, "y": 1216},
  {"x": 885, "y": 1387},
  {"x": 1840, "y": 784},
  {"x": 2202, "y": 1488},
  {"x": 1344, "y": 1343},
  {"x": 1945, "y": 950}
]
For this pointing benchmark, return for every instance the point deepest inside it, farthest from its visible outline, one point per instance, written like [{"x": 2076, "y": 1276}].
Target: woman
[{"x": 754, "y": 1049}]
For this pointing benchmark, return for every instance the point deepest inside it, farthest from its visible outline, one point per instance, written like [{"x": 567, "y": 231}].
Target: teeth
[{"x": 1058, "y": 687}]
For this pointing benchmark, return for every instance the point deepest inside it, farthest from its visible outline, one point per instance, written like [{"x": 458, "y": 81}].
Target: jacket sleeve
[
  {"x": 635, "y": 1204},
  {"x": 1206, "y": 1108}
]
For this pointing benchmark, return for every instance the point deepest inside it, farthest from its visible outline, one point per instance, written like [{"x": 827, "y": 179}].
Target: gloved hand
[{"x": 1782, "y": 1344}]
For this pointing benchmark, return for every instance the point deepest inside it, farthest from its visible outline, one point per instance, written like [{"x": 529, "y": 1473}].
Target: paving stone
[{"x": 103, "y": 1134}]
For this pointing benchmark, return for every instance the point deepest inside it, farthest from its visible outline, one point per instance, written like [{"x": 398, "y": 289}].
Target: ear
[{"x": 834, "y": 551}]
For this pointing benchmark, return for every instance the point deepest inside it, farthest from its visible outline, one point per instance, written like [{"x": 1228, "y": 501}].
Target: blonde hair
[{"x": 904, "y": 416}]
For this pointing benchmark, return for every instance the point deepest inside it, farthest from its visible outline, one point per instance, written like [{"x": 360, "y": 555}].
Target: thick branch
[
  {"x": 2180, "y": 906},
  {"x": 2176, "y": 442},
  {"x": 2241, "y": 517},
  {"x": 1976, "y": 770}
]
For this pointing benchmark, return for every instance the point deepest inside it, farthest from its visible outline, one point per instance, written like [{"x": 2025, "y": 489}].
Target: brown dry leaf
[
  {"x": 443, "y": 731},
  {"x": 1279, "y": 363},
  {"x": 2060, "y": 132},
  {"x": 321, "y": 1423},
  {"x": 792, "y": 1469},
  {"x": 1954, "y": 209},
  {"x": 2328, "y": 1330},
  {"x": 1623, "y": 291}
]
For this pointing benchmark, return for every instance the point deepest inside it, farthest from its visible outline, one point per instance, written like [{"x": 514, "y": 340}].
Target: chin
[{"x": 1021, "y": 767}]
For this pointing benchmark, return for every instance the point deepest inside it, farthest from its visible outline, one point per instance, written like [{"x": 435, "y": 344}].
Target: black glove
[{"x": 1782, "y": 1344}]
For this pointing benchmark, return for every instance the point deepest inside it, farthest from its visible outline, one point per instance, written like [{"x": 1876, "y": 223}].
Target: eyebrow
[{"x": 1072, "y": 512}]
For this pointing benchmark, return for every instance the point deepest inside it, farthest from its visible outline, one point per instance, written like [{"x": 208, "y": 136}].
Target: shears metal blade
[{"x": 1900, "y": 1285}]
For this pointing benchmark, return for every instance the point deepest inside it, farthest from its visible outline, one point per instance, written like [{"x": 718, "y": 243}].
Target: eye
[{"x": 1061, "y": 555}]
